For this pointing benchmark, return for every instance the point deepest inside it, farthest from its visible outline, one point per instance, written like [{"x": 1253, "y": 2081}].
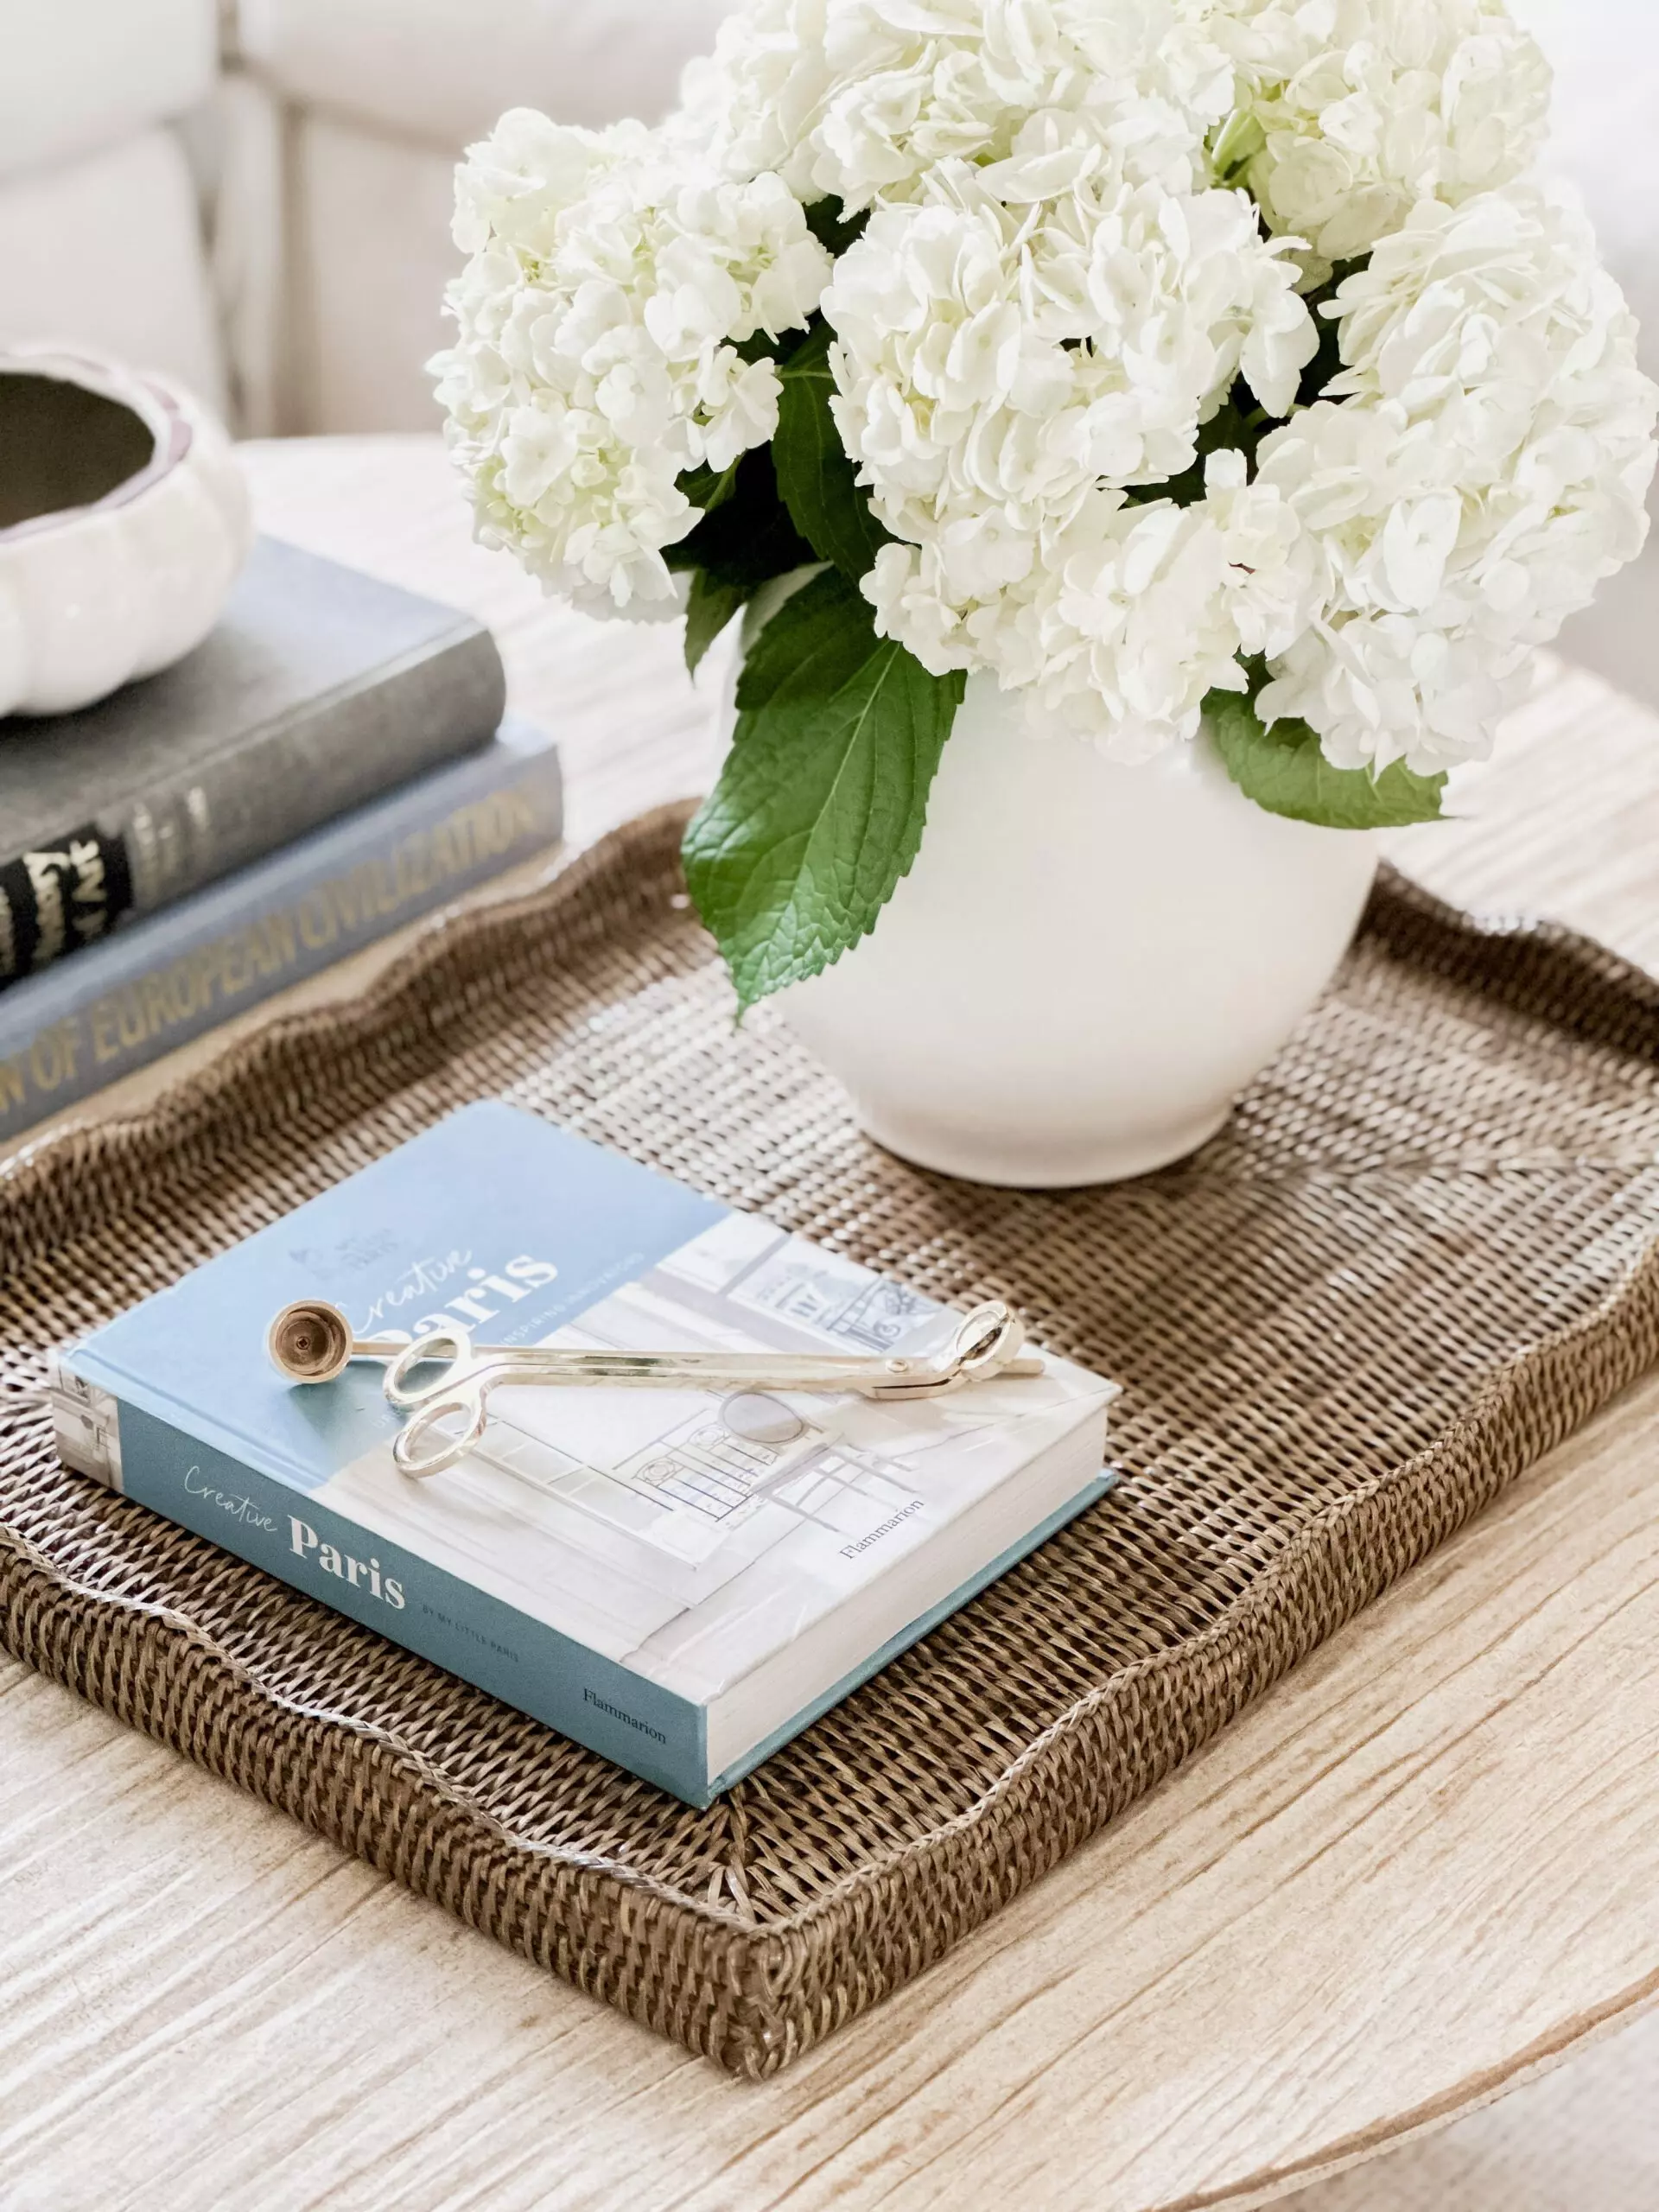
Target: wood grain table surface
[{"x": 1421, "y": 1871}]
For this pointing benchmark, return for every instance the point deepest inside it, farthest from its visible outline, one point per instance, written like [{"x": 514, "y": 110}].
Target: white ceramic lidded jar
[
  {"x": 1088, "y": 961},
  {"x": 123, "y": 522}
]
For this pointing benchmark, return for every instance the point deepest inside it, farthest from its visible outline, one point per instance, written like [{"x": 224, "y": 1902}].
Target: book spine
[
  {"x": 376, "y": 1581},
  {"x": 303, "y": 769},
  {"x": 155, "y": 986}
]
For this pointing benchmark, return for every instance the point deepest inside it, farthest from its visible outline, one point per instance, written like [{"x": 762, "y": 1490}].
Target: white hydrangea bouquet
[{"x": 1174, "y": 362}]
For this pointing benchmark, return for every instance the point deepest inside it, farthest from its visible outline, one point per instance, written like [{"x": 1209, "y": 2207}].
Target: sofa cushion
[
  {"x": 106, "y": 253},
  {"x": 363, "y": 319},
  {"x": 442, "y": 70},
  {"x": 76, "y": 78}
]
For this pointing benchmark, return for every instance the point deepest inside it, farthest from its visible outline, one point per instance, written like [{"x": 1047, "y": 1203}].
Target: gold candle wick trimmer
[{"x": 313, "y": 1342}]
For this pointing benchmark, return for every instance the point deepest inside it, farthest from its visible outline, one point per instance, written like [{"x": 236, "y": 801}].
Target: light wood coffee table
[{"x": 1420, "y": 1870}]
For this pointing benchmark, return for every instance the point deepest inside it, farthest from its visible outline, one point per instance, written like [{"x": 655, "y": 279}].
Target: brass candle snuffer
[{"x": 312, "y": 1341}]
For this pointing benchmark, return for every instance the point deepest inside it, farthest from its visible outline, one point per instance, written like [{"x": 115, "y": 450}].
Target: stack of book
[{"x": 331, "y": 763}]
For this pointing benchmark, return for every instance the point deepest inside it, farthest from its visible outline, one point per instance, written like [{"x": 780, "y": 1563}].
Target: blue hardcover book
[
  {"x": 679, "y": 1580},
  {"x": 155, "y": 984}
]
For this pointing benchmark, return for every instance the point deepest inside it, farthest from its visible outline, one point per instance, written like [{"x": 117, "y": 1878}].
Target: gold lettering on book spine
[
  {"x": 45, "y": 881},
  {"x": 90, "y": 904}
]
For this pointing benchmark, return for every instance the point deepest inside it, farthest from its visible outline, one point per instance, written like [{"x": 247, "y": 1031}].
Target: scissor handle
[
  {"x": 449, "y": 1348},
  {"x": 427, "y": 1421},
  {"x": 989, "y": 1340}
]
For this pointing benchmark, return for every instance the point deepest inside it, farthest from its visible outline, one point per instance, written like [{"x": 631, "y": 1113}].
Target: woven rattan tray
[{"x": 1423, "y": 1251}]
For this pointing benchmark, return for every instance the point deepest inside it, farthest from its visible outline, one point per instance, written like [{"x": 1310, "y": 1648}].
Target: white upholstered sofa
[
  {"x": 377, "y": 97},
  {"x": 101, "y": 232},
  {"x": 254, "y": 194}
]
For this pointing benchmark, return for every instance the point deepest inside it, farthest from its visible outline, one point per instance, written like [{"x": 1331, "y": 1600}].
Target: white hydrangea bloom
[
  {"x": 1005, "y": 370},
  {"x": 1478, "y": 468},
  {"x": 998, "y": 360},
  {"x": 1058, "y": 289},
  {"x": 612, "y": 281},
  {"x": 1131, "y": 613},
  {"x": 1144, "y": 616},
  {"x": 1355, "y": 110},
  {"x": 861, "y": 98}
]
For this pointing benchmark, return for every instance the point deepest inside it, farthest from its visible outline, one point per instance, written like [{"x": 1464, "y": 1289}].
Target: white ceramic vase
[
  {"x": 1088, "y": 962},
  {"x": 124, "y": 521}
]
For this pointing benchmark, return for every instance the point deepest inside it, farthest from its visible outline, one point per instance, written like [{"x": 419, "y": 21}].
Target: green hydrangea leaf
[
  {"x": 820, "y": 810},
  {"x": 815, "y": 478},
  {"x": 707, "y": 489},
  {"x": 710, "y": 607},
  {"x": 745, "y": 537},
  {"x": 1284, "y": 770}
]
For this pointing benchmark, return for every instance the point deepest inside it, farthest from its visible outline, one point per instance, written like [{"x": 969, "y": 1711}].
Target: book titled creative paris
[{"x": 681, "y": 1580}]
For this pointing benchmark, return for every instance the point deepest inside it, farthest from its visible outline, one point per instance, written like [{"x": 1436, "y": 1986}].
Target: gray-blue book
[
  {"x": 159, "y": 982},
  {"x": 319, "y": 688},
  {"x": 680, "y": 1579}
]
